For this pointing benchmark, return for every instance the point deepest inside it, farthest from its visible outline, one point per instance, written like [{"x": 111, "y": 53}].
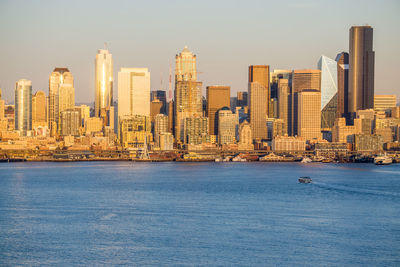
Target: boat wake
[{"x": 362, "y": 191}]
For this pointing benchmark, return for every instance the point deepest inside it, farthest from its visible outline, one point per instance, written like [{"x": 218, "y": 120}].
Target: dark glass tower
[{"x": 361, "y": 68}]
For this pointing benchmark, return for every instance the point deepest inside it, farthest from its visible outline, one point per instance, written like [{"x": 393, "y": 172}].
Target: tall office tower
[
  {"x": 60, "y": 79},
  {"x": 283, "y": 97},
  {"x": 218, "y": 96},
  {"x": 329, "y": 92},
  {"x": 188, "y": 101},
  {"x": 302, "y": 80},
  {"x": 69, "y": 122},
  {"x": 361, "y": 68},
  {"x": 162, "y": 97},
  {"x": 227, "y": 126},
  {"x": 309, "y": 114},
  {"x": 241, "y": 99},
  {"x": 23, "y": 106},
  {"x": 260, "y": 74},
  {"x": 103, "y": 82},
  {"x": 39, "y": 105},
  {"x": 2, "y": 107},
  {"x": 384, "y": 102},
  {"x": 133, "y": 92},
  {"x": 257, "y": 110},
  {"x": 185, "y": 68},
  {"x": 342, "y": 60},
  {"x": 66, "y": 97},
  {"x": 160, "y": 127}
]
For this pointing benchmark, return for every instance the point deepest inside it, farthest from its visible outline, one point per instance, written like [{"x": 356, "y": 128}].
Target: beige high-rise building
[
  {"x": 23, "y": 107},
  {"x": 260, "y": 74},
  {"x": 39, "y": 106},
  {"x": 384, "y": 102},
  {"x": 60, "y": 80},
  {"x": 309, "y": 115},
  {"x": 227, "y": 126},
  {"x": 257, "y": 110},
  {"x": 66, "y": 98},
  {"x": 69, "y": 122},
  {"x": 218, "y": 96},
  {"x": 188, "y": 101},
  {"x": 133, "y": 92},
  {"x": 185, "y": 66},
  {"x": 307, "y": 79},
  {"x": 103, "y": 82},
  {"x": 160, "y": 127}
]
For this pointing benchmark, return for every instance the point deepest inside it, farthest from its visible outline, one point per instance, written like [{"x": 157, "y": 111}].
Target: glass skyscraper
[{"x": 329, "y": 91}]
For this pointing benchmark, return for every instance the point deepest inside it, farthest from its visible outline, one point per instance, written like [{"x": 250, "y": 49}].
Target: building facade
[
  {"x": 218, "y": 96},
  {"x": 23, "y": 107},
  {"x": 361, "y": 68}
]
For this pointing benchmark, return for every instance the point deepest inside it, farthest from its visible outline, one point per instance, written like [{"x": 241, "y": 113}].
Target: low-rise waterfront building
[{"x": 288, "y": 144}]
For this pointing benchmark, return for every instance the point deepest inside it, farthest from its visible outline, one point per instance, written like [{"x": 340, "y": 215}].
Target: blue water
[{"x": 214, "y": 214}]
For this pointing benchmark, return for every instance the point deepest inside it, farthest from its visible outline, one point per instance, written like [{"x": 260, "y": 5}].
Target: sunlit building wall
[
  {"x": 103, "y": 81},
  {"x": 23, "y": 106}
]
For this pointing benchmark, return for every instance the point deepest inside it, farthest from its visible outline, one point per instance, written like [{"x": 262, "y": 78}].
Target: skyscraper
[
  {"x": 23, "y": 106},
  {"x": 329, "y": 91},
  {"x": 60, "y": 77},
  {"x": 309, "y": 114},
  {"x": 227, "y": 126},
  {"x": 218, "y": 96},
  {"x": 260, "y": 74},
  {"x": 133, "y": 92},
  {"x": 103, "y": 84},
  {"x": 342, "y": 60},
  {"x": 39, "y": 105},
  {"x": 283, "y": 97},
  {"x": 361, "y": 68},
  {"x": 257, "y": 110},
  {"x": 185, "y": 66},
  {"x": 188, "y": 101},
  {"x": 302, "y": 80}
]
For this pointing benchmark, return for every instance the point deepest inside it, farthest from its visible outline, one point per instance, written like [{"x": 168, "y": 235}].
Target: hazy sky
[{"x": 226, "y": 36}]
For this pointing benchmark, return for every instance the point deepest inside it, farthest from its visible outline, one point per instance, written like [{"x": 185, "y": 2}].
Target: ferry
[
  {"x": 305, "y": 180},
  {"x": 306, "y": 160},
  {"x": 383, "y": 160}
]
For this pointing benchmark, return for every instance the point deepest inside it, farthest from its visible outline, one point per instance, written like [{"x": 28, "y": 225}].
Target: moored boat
[{"x": 383, "y": 160}]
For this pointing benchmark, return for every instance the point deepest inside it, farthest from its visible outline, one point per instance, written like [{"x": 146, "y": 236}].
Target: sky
[{"x": 226, "y": 36}]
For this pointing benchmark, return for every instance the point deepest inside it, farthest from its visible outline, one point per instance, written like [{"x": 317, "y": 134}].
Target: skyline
[{"x": 223, "y": 58}]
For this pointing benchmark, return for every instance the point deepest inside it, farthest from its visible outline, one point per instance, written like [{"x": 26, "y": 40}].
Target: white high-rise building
[
  {"x": 23, "y": 106},
  {"x": 103, "y": 82},
  {"x": 329, "y": 91},
  {"x": 133, "y": 92},
  {"x": 328, "y": 69}
]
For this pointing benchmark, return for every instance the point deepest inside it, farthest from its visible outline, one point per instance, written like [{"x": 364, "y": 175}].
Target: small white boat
[
  {"x": 306, "y": 160},
  {"x": 383, "y": 160}
]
